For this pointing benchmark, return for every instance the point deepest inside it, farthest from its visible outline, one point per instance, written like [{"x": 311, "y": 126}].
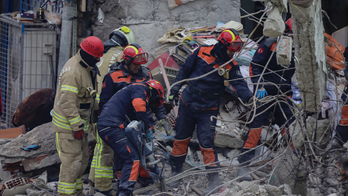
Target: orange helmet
[
  {"x": 158, "y": 99},
  {"x": 231, "y": 39},
  {"x": 93, "y": 46},
  {"x": 135, "y": 54}
]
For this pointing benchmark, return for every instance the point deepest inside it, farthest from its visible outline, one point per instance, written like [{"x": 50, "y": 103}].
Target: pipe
[{"x": 165, "y": 77}]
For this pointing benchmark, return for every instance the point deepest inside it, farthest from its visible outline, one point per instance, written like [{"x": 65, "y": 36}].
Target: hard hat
[
  {"x": 231, "y": 39},
  {"x": 158, "y": 99},
  {"x": 93, "y": 46},
  {"x": 124, "y": 33},
  {"x": 135, "y": 54}
]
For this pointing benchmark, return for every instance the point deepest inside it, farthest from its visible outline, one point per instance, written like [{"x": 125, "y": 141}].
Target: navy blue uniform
[
  {"x": 120, "y": 77},
  {"x": 129, "y": 103},
  {"x": 200, "y": 100},
  {"x": 257, "y": 65}
]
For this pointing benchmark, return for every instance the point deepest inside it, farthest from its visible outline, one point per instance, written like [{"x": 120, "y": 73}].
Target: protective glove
[
  {"x": 261, "y": 93},
  {"x": 148, "y": 135},
  {"x": 78, "y": 134},
  {"x": 174, "y": 98},
  {"x": 167, "y": 127}
]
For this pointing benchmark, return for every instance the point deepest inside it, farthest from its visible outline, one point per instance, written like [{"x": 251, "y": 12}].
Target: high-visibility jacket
[
  {"x": 204, "y": 93},
  {"x": 73, "y": 104},
  {"x": 112, "y": 56}
]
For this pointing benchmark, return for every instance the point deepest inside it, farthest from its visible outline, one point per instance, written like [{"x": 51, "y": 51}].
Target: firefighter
[
  {"x": 101, "y": 173},
  {"x": 130, "y": 103},
  {"x": 73, "y": 113},
  {"x": 279, "y": 87},
  {"x": 128, "y": 71},
  {"x": 201, "y": 99}
]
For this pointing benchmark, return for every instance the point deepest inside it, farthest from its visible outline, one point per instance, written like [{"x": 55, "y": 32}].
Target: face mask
[{"x": 89, "y": 59}]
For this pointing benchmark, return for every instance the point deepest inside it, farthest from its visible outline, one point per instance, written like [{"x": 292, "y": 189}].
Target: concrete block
[
  {"x": 40, "y": 162},
  {"x": 223, "y": 141}
]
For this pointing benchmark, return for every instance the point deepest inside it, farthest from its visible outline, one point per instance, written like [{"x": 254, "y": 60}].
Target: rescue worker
[
  {"x": 128, "y": 71},
  {"x": 341, "y": 135},
  {"x": 278, "y": 87},
  {"x": 101, "y": 172},
  {"x": 201, "y": 99},
  {"x": 73, "y": 113},
  {"x": 129, "y": 103}
]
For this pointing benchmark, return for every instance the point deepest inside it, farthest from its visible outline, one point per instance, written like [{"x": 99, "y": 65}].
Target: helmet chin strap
[{"x": 128, "y": 68}]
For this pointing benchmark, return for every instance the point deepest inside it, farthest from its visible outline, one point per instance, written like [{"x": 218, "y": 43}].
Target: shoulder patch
[
  {"x": 260, "y": 50},
  {"x": 104, "y": 84}
]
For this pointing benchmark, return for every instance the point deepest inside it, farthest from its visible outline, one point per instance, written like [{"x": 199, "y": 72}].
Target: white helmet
[{"x": 123, "y": 33}]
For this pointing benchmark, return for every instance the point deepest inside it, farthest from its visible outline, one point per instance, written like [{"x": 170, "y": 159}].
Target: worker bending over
[{"x": 129, "y": 103}]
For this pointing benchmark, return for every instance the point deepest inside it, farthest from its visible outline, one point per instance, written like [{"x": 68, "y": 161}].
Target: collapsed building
[{"x": 276, "y": 170}]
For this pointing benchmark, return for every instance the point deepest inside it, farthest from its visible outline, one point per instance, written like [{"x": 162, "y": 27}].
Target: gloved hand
[
  {"x": 148, "y": 135},
  {"x": 167, "y": 127},
  {"x": 174, "y": 98},
  {"x": 78, "y": 134},
  {"x": 261, "y": 93}
]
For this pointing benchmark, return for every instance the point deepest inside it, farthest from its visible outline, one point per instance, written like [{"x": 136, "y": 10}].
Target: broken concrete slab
[
  {"x": 12, "y": 155},
  {"x": 225, "y": 140}
]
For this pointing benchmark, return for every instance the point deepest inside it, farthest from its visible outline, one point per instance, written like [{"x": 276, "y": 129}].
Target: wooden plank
[{"x": 12, "y": 133}]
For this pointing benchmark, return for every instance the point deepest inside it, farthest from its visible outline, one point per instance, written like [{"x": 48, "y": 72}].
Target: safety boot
[
  {"x": 213, "y": 182},
  {"x": 176, "y": 169},
  {"x": 242, "y": 171}
]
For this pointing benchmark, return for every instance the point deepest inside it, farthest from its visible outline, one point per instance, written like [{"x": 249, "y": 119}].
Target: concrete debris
[
  {"x": 225, "y": 140},
  {"x": 274, "y": 25},
  {"x": 15, "y": 186},
  {"x": 12, "y": 157},
  {"x": 251, "y": 188}
]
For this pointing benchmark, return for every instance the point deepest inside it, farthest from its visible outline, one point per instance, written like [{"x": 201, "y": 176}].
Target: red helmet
[
  {"x": 135, "y": 54},
  {"x": 154, "y": 84},
  {"x": 231, "y": 39},
  {"x": 288, "y": 26},
  {"x": 93, "y": 46}
]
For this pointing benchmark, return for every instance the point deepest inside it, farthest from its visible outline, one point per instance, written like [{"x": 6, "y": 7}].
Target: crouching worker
[{"x": 130, "y": 103}]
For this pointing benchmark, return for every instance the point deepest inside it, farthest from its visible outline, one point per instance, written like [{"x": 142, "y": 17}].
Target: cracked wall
[{"x": 150, "y": 20}]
